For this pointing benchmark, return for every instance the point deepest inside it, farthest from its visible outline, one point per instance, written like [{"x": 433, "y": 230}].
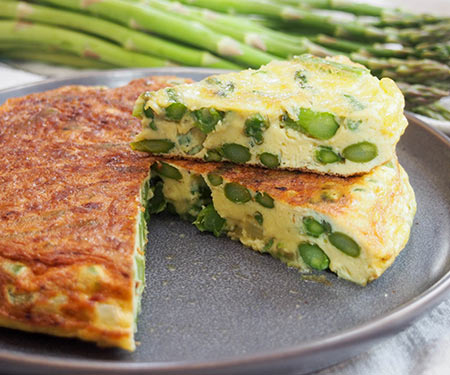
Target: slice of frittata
[
  {"x": 72, "y": 225},
  {"x": 330, "y": 116},
  {"x": 355, "y": 226}
]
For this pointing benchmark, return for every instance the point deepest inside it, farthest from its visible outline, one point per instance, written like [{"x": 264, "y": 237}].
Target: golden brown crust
[
  {"x": 69, "y": 198},
  {"x": 292, "y": 187}
]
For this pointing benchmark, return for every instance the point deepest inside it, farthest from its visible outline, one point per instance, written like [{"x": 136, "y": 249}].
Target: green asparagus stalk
[
  {"x": 427, "y": 50},
  {"x": 420, "y": 95},
  {"x": 266, "y": 27},
  {"x": 22, "y": 48},
  {"x": 19, "y": 45},
  {"x": 255, "y": 36},
  {"x": 438, "y": 32},
  {"x": 387, "y": 17},
  {"x": 400, "y": 20},
  {"x": 146, "y": 17},
  {"x": 359, "y": 9},
  {"x": 246, "y": 41},
  {"x": 437, "y": 110},
  {"x": 433, "y": 51},
  {"x": 299, "y": 17},
  {"x": 76, "y": 43},
  {"x": 129, "y": 39},
  {"x": 376, "y": 49},
  {"x": 57, "y": 58},
  {"x": 410, "y": 70},
  {"x": 271, "y": 26}
]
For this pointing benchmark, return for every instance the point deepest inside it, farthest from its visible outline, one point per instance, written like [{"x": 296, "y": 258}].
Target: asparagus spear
[
  {"x": 387, "y": 17},
  {"x": 299, "y": 17},
  {"x": 400, "y": 20},
  {"x": 21, "y": 49},
  {"x": 57, "y": 58},
  {"x": 434, "y": 51},
  {"x": 146, "y": 17},
  {"x": 419, "y": 95},
  {"x": 241, "y": 21},
  {"x": 255, "y": 36},
  {"x": 426, "y": 33},
  {"x": 434, "y": 75},
  {"x": 437, "y": 110},
  {"x": 376, "y": 49},
  {"x": 129, "y": 39},
  {"x": 410, "y": 70},
  {"x": 76, "y": 43},
  {"x": 344, "y": 6}
]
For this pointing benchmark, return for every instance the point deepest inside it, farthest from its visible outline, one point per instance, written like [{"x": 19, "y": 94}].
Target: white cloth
[
  {"x": 422, "y": 349},
  {"x": 12, "y": 77}
]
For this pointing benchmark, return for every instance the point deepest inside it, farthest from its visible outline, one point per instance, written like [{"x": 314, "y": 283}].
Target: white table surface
[{"x": 421, "y": 349}]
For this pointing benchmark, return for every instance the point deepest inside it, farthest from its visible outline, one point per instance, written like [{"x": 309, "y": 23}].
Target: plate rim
[{"x": 378, "y": 328}]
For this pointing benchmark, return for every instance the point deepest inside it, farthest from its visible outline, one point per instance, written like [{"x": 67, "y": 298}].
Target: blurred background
[{"x": 406, "y": 40}]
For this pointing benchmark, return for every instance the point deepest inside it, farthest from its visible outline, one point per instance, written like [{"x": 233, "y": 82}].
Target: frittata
[
  {"x": 355, "y": 226},
  {"x": 329, "y": 116},
  {"x": 75, "y": 200},
  {"x": 72, "y": 228}
]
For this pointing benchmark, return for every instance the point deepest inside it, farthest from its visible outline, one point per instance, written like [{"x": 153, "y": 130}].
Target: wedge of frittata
[
  {"x": 72, "y": 219},
  {"x": 355, "y": 226},
  {"x": 329, "y": 116}
]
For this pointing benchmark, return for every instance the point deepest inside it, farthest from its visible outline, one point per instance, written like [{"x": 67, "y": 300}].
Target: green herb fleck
[
  {"x": 352, "y": 124},
  {"x": 355, "y": 103},
  {"x": 172, "y": 95},
  {"x": 301, "y": 78}
]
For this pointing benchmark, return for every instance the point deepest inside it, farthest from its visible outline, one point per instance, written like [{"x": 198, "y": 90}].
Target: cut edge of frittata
[{"x": 353, "y": 226}]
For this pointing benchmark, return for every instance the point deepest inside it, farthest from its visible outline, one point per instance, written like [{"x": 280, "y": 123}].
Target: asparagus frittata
[
  {"x": 75, "y": 201},
  {"x": 355, "y": 226},
  {"x": 329, "y": 116}
]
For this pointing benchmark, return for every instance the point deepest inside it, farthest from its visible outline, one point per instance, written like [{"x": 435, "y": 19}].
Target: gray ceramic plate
[{"x": 214, "y": 307}]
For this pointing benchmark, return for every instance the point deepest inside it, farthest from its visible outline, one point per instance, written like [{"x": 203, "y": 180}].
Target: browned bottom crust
[{"x": 69, "y": 199}]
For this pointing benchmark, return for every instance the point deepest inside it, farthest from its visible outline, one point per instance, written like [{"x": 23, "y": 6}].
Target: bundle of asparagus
[{"x": 412, "y": 49}]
